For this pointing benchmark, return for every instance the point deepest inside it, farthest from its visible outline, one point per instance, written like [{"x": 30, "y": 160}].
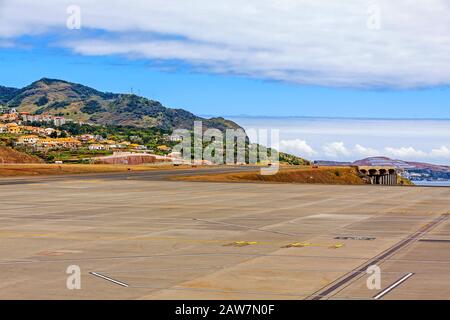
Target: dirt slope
[
  {"x": 329, "y": 175},
  {"x": 9, "y": 155}
]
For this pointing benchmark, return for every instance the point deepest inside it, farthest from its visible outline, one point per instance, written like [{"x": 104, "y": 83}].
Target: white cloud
[
  {"x": 302, "y": 41},
  {"x": 338, "y": 151},
  {"x": 405, "y": 153},
  {"x": 297, "y": 147},
  {"x": 442, "y": 152},
  {"x": 335, "y": 150},
  {"x": 365, "y": 151}
]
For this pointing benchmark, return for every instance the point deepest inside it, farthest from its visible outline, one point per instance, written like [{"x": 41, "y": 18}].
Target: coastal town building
[
  {"x": 97, "y": 147},
  {"x": 13, "y": 128},
  {"x": 43, "y": 118},
  {"x": 11, "y": 116},
  {"x": 49, "y": 131},
  {"x": 49, "y": 143},
  {"x": 163, "y": 148},
  {"x": 35, "y": 130},
  {"x": 88, "y": 137},
  {"x": 28, "y": 140}
]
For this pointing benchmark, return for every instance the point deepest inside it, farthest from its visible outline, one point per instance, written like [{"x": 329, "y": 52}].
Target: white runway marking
[
  {"x": 393, "y": 286},
  {"x": 109, "y": 279},
  {"x": 246, "y": 227}
]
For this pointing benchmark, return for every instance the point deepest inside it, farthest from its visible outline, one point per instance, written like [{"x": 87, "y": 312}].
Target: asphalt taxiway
[{"x": 139, "y": 236}]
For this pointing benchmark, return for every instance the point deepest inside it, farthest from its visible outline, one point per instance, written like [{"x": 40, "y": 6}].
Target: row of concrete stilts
[{"x": 386, "y": 179}]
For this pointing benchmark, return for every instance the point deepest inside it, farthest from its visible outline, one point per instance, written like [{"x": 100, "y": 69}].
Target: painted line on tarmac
[
  {"x": 246, "y": 227},
  {"x": 347, "y": 279},
  {"x": 123, "y": 284},
  {"x": 393, "y": 286}
]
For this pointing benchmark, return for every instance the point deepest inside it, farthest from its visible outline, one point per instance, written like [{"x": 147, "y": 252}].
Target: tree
[{"x": 42, "y": 101}]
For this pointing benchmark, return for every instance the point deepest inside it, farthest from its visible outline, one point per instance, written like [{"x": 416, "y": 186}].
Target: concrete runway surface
[{"x": 139, "y": 236}]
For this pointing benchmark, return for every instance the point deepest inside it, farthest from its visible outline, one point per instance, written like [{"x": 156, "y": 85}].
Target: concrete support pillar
[{"x": 384, "y": 176}]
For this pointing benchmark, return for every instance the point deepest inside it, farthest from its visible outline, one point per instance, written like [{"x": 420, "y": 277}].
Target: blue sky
[{"x": 216, "y": 94}]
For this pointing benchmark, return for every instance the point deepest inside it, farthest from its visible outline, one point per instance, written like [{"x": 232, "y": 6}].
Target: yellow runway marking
[
  {"x": 240, "y": 244},
  {"x": 307, "y": 244},
  {"x": 212, "y": 241},
  {"x": 223, "y": 242}
]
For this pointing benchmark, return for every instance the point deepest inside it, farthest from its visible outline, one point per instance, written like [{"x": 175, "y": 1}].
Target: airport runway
[
  {"x": 150, "y": 175},
  {"x": 139, "y": 236}
]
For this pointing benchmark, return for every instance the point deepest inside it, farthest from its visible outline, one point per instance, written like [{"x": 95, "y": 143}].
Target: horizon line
[{"x": 322, "y": 117}]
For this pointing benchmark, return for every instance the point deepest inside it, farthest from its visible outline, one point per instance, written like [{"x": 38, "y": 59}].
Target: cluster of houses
[
  {"x": 41, "y": 138},
  {"x": 14, "y": 122},
  {"x": 91, "y": 142},
  {"x": 46, "y": 143},
  {"x": 44, "y": 139},
  {"x": 98, "y": 143},
  {"x": 15, "y": 128},
  {"x": 18, "y": 117}
]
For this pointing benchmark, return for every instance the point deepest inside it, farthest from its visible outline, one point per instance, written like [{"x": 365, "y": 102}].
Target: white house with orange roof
[
  {"x": 28, "y": 140},
  {"x": 98, "y": 147},
  {"x": 49, "y": 131}
]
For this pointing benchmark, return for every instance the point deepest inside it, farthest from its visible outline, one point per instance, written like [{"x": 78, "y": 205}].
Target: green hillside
[{"x": 82, "y": 103}]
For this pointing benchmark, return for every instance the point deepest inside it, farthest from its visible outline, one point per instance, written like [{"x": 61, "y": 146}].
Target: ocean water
[{"x": 433, "y": 183}]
